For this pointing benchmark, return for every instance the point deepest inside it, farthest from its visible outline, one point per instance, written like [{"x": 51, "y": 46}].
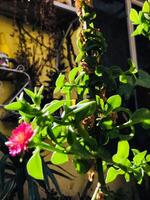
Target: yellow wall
[
  {"x": 8, "y": 44},
  {"x": 7, "y": 29}
]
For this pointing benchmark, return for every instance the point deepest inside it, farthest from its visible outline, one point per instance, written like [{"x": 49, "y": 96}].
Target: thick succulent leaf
[{"x": 34, "y": 166}]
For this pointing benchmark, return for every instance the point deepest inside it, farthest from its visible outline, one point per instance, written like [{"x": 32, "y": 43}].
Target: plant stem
[
  {"x": 101, "y": 178},
  {"x": 49, "y": 147}
]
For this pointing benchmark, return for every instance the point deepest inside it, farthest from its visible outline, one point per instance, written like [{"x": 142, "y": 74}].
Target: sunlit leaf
[
  {"x": 72, "y": 74},
  {"x": 14, "y": 106},
  {"x": 134, "y": 16},
  {"x": 138, "y": 158},
  {"x": 60, "y": 81},
  {"x": 34, "y": 166},
  {"x": 107, "y": 124},
  {"x": 147, "y": 169},
  {"x": 138, "y": 30},
  {"x": 113, "y": 102},
  {"x": 146, "y": 7},
  {"x": 123, "y": 149},
  {"x": 53, "y": 106},
  {"x": 127, "y": 177},
  {"x": 135, "y": 151},
  {"x": 133, "y": 68},
  {"x": 123, "y": 78},
  {"x": 80, "y": 56},
  {"x": 148, "y": 158},
  {"x": 30, "y": 93},
  {"x": 112, "y": 174},
  {"x": 59, "y": 158}
]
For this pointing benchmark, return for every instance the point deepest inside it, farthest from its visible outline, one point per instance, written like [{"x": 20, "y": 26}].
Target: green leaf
[
  {"x": 59, "y": 158},
  {"x": 112, "y": 174},
  {"x": 85, "y": 79},
  {"x": 84, "y": 110},
  {"x": 80, "y": 56},
  {"x": 113, "y": 102},
  {"x": 79, "y": 44},
  {"x": 138, "y": 158},
  {"x": 147, "y": 169},
  {"x": 40, "y": 91},
  {"x": 146, "y": 124},
  {"x": 134, "y": 17},
  {"x": 127, "y": 177},
  {"x": 81, "y": 110},
  {"x": 139, "y": 174},
  {"x": 34, "y": 166},
  {"x": 60, "y": 81},
  {"x": 121, "y": 157},
  {"x": 147, "y": 16},
  {"x": 123, "y": 161},
  {"x": 53, "y": 106},
  {"x": 65, "y": 90},
  {"x": 146, "y": 26},
  {"x": 14, "y": 106},
  {"x": 140, "y": 115},
  {"x": 104, "y": 165},
  {"x": 56, "y": 129},
  {"x": 30, "y": 93},
  {"x": 26, "y": 117},
  {"x": 140, "y": 17},
  {"x": 72, "y": 74},
  {"x": 146, "y": 7},
  {"x": 100, "y": 102},
  {"x": 98, "y": 71},
  {"x": 44, "y": 131},
  {"x": 143, "y": 79},
  {"x": 79, "y": 77},
  {"x": 148, "y": 158},
  {"x": 126, "y": 162},
  {"x": 138, "y": 30},
  {"x": 123, "y": 149},
  {"x": 83, "y": 101},
  {"x": 107, "y": 124},
  {"x": 135, "y": 151},
  {"x": 123, "y": 78},
  {"x": 56, "y": 90},
  {"x": 132, "y": 68}
]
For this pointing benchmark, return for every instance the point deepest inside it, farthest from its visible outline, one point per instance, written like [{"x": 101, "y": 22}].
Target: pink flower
[{"x": 19, "y": 139}]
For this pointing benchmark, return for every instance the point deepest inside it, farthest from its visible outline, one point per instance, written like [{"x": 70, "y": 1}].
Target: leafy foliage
[
  {"x": 87, "y": 125},
  {"x": 141, "y": 20},
  {"x": 14, "y": 176}
]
